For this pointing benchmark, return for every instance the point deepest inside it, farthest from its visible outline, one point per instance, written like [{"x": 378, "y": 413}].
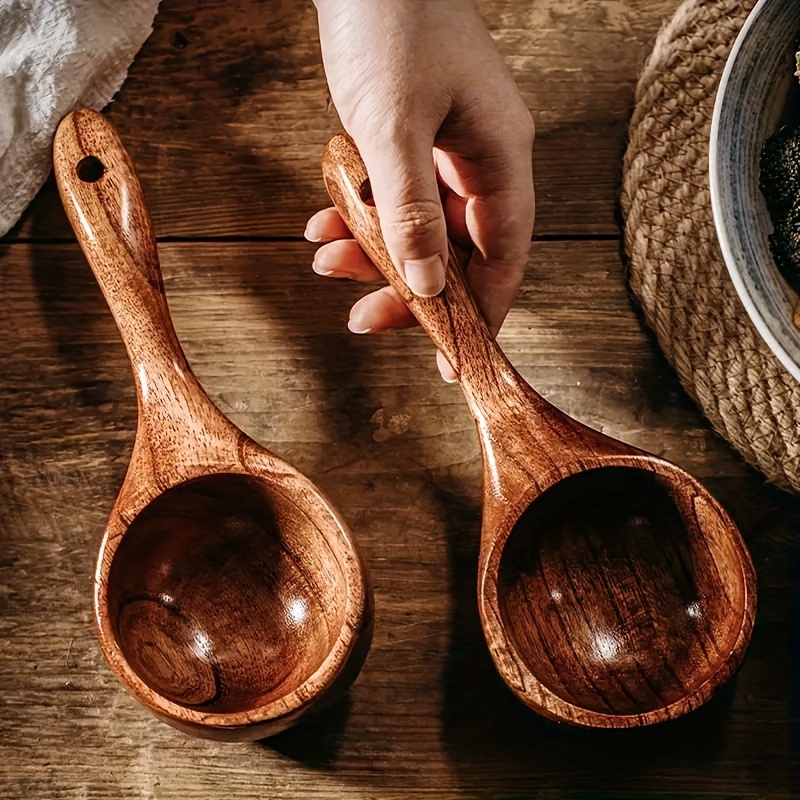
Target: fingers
[
  {"x": 325, "y": 226},
  {"x": 345, "y": 259},
  {"x": 501, "y": 225},
  {"x": 455, "y": 212},
  {"x": 342, "y": 257},
  {"x": 380, "y": 311},
  {"x": 384, "y": 310},
  {"x": 406, "y": 194},
  {"x": 489, "y": 204},
  {"x": 445, "y": 370},
  {"x": 497, "y": 180}
]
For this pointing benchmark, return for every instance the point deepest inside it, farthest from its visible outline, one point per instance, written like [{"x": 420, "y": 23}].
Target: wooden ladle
[
  {"x": 613, "y": 590},
  {"x": 229, "y": 596}
]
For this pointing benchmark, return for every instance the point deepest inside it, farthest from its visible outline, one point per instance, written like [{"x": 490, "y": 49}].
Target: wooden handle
[
  {"x": 179, "y": 426},
  {"x": 105, "y": 204},
  {"x": 451, "y": 319},
  {"x": 505, "y": 407}
]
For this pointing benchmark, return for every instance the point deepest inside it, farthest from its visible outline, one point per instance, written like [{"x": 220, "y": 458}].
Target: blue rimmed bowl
[{"x": 750, "y": 105}]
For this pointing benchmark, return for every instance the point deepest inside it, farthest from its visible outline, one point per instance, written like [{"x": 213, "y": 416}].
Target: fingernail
[
  {"x": 354, "y": 327},
  {"x": 310, "y": 234},
  {"x": 424, "y": 276},
  {"x": 321, "y": 270},
  {"x": 445, "y": 370}
]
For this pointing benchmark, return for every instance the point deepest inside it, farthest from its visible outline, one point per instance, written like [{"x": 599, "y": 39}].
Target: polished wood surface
[
  {"x": 229, "y": 595},
  {"x": 212, "y": 113},
  {"x": 613, "y": 589}
]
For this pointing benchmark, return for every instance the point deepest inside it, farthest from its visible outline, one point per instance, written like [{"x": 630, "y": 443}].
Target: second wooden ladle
[
  {"x": 230, "y": 597},
  {"x": 613, "y": 590}
]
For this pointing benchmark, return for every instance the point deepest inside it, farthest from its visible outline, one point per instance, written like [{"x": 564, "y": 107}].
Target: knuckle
[
  {"x": 417, "y": 220},
  {"x": 518, "y": 124},
  {"x": 512, "y": 262},
  {"x": 523, "y": 130}
]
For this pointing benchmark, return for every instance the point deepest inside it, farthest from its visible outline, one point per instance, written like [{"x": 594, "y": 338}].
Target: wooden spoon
[
  {"x": 229, "y": 595},
  {"x": 613, "y": 590}
]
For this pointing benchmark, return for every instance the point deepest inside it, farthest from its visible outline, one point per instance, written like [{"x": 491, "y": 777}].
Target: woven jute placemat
[{"x": 675, "y": 266}]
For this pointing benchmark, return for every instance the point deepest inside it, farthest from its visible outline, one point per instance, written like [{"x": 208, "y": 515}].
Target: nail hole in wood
[{"x": 90, "y": 169}]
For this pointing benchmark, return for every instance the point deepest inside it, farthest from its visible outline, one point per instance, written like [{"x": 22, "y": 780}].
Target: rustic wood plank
[
  {"x": 369, "y": 420},
  {"x": 226, "y": 113}
]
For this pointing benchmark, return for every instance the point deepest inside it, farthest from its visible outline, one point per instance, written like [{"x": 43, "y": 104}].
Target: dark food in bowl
[{"x": 780, "y": 184}]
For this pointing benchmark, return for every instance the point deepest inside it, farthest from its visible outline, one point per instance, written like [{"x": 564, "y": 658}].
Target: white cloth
[{"x": 56, "y": 55}]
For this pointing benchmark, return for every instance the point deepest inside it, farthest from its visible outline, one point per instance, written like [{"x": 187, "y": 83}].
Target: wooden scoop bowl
[
  {"x": 613, "y": 590},
  {"x": 229, "y": 596}
]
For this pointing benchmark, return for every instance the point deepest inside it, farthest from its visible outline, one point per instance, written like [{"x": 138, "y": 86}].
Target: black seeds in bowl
[{"x": 780, "y": 185}]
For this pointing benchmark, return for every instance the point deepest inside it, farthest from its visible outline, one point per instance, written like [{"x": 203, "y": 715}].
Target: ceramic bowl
[{"x": 750, "y": 103}]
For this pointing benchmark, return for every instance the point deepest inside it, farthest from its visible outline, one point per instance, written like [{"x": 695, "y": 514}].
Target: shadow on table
[
  {"x": 499, "y": 748},
  {"x": 77, "y": 318},
  {"x": 317, "y": 742},
  {"x": 494, "y": 746},
  {"x": 96, "y": 374}
]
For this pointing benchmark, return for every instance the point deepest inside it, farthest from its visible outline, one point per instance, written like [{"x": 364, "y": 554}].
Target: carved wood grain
[
  {"x": 221, "y": 149},
  {"x": 230, "y": 597},
  {"x": 644, "y": 574},
  {"x": 395, "y": 448}
]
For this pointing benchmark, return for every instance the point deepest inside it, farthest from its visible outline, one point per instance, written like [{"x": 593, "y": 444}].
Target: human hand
[{"x": 423, "y": 92}]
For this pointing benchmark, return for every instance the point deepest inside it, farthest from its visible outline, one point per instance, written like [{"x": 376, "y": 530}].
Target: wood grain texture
[
  {"x": 226, "y": 115},
  {"x": 230, "y": 597},
  {"x": 226, "y": 112},
  {"x": 396, "y": 451},
  {"x": 614, "y": 591}
]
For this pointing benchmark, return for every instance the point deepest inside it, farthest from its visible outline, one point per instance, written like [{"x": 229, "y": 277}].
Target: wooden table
[{"x": 226, "y": 113}]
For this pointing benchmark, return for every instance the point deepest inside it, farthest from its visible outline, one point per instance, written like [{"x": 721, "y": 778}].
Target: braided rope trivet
[{"x": 675, "y": 266}]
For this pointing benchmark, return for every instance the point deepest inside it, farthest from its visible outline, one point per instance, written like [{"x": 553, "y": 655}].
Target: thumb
[{"x": 406, "y": 193}]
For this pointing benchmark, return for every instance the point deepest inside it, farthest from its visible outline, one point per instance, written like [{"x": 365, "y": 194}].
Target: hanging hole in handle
[
  {"x": 90, "y": 169},
  {"x": 365, "y": 193}
]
